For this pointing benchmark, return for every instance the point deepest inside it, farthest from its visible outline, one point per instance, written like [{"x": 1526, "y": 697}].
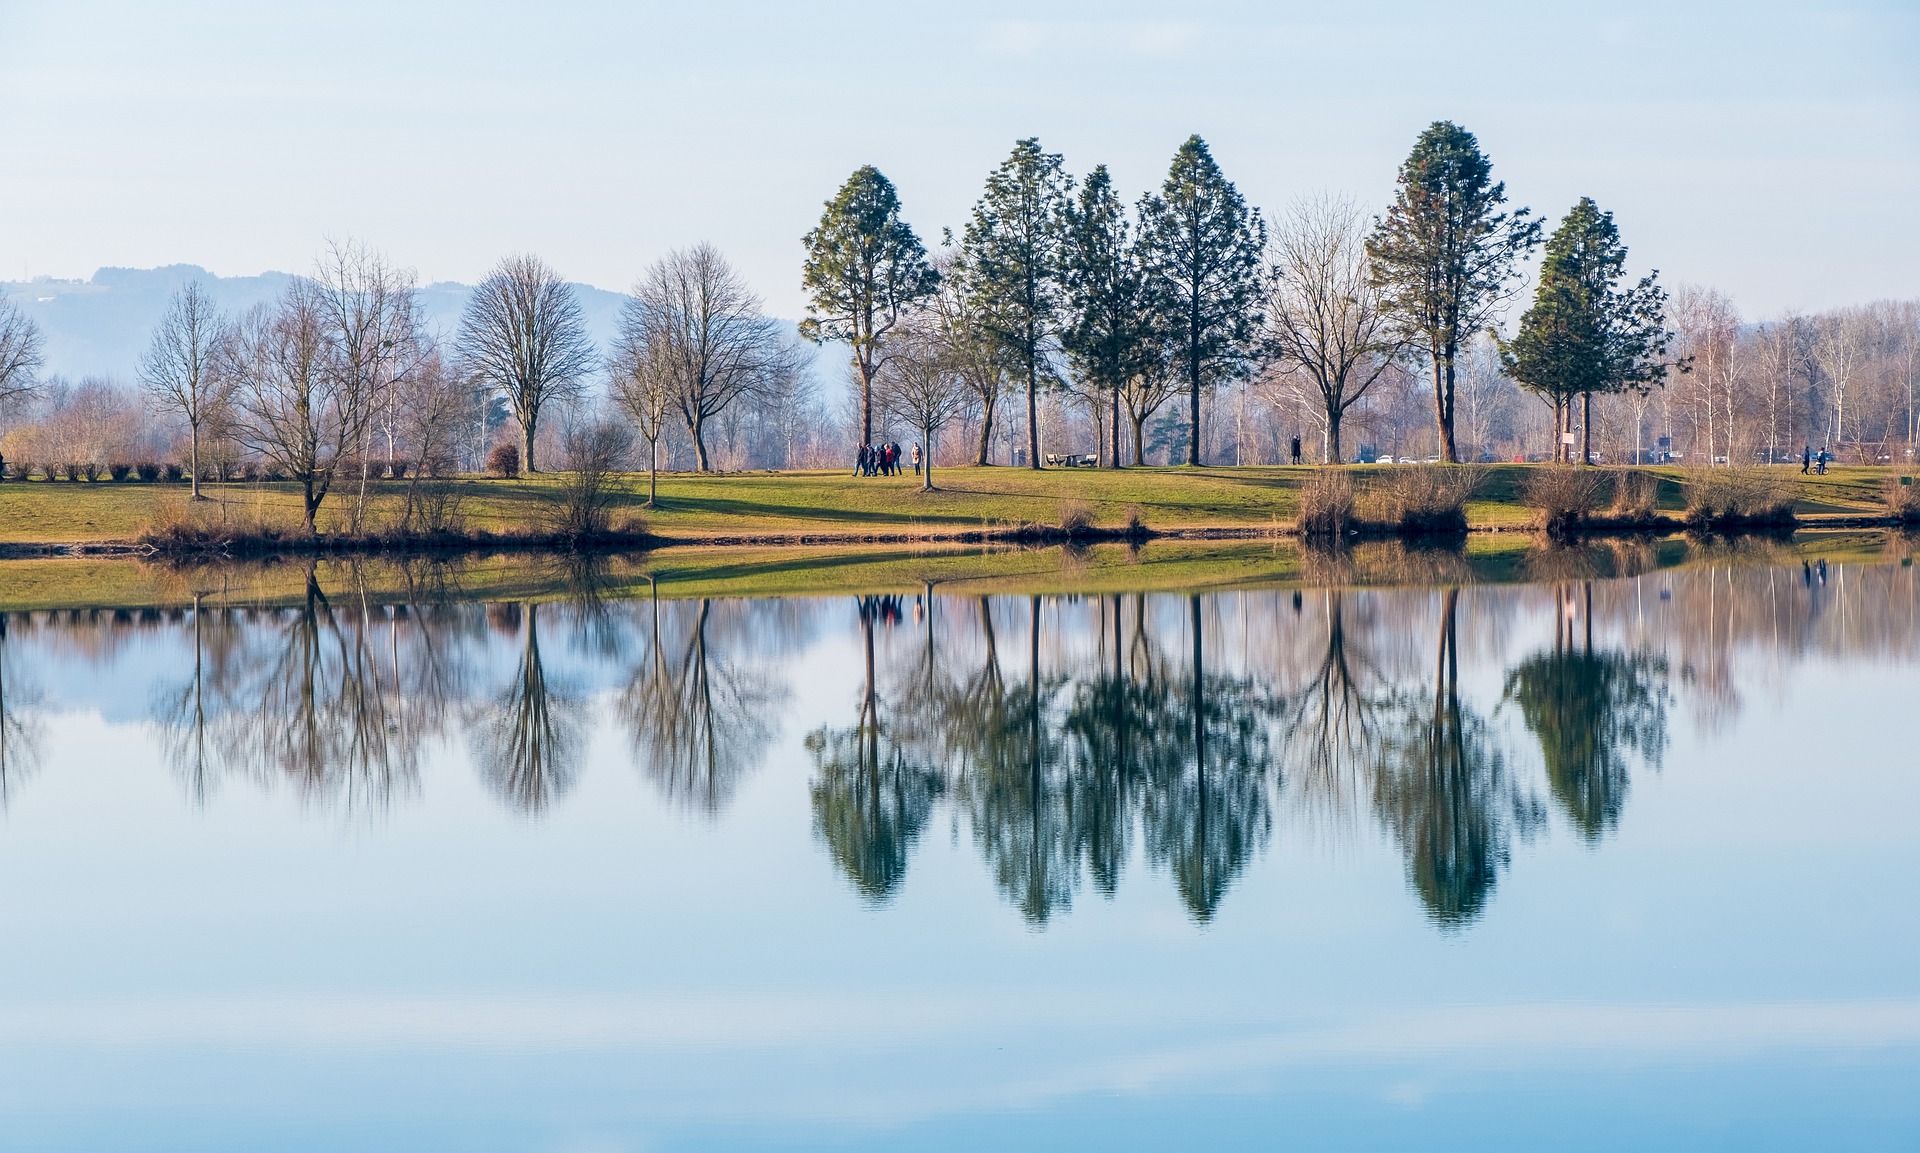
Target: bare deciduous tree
[
  {"x": 291, "y": 403},
  {"x": 1325, "y": 322},
  {"x": 716, "y": 341},
  {"x": 922, "y": 386},
  {"x": 524, "y": 335},
  {"x": 642, "y": 371},
  {"x": 181, "y": 369},
  {"x": 22, "y": 353},
  {"x": 378, "y": 344}
]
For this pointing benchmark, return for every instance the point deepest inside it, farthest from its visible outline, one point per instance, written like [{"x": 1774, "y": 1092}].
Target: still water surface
[{"x": 1596, "y": 864}]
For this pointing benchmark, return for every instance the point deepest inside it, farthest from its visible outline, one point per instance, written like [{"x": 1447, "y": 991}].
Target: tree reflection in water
[
  {"x": 872, "y": 794},
  {"x": 1594, "y": 713},
  {"x": 528, "y": 749},
  {"x": 699, "y": 722},
  {"x": 1077, "y": 737},
  {"x": 1444, "y": 791},
  {"x": 19, "y": 723}
]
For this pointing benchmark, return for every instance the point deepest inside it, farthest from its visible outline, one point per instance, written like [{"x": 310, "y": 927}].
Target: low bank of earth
[{"x": 824, "y": 506}]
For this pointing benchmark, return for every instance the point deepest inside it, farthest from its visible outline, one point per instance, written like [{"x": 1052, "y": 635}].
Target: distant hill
[{"x": 100, "y": 326}]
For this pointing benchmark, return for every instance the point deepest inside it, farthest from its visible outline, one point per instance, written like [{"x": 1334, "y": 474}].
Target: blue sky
[{"x": 1770, "y": 149}]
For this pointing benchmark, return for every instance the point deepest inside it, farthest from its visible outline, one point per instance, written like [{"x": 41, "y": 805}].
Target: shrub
[
  {"x": 1738, "y": 497},
  {"x": 1076, "y": 518},
  {"x": 398, "y": 470},
  {"x": 147, "y": 470},
  {"x": 1902, "y": 501},
  {"x": 1136, "y": 521},
  {"x": 1636, "y": 496},
  {"x": 1327, "y": 503},
  {"x": 71, "y": 472},
  {"x": 91, "y": 471},
  {"x": 1563, "y": 498},
  {"x": 24, "y": 469},
  {"x": 504, "y": 461},
  {"x": 119, "y": 471},
  {"x": 585, "y": 500},
  {"x": 1427, "y": 499},
  {"x": 175, "y": 472}
]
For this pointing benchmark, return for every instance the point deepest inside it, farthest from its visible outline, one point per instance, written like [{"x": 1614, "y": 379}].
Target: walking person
[
  {"x": 916, "y": 460},
  {"x": 860, "y": 461},
  {"x": 1806, "y": 460},
  {"x": 1296, "y": 450},
  {"x": 1823, "y": 460}
]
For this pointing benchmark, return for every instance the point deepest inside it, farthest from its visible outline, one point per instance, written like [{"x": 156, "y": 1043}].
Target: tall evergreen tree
[
  {"x": 1584, "y": 334},
  {"x": 1109, "y": 334},
  {"x": 1444, "y": 254},
  {"x": 865, "y": 268},
  {"x": 1012, "y": 253},
  {"x": 1204, "y": 247}
]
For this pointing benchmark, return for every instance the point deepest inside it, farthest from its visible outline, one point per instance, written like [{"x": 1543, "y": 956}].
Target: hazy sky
[{"x": 1771, "y": 149}]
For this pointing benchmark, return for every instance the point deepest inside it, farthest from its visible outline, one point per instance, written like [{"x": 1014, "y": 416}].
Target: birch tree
[{"x": 181, "y": 370}]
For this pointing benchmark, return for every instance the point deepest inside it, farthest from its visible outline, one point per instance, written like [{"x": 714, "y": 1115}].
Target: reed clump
[
  {"x": 1328, "y": 503},
  {"x": 1424, "y": 500},
  {"x": 1563, "y": 498},
  {"x": 1738, "y": 498},
  {"x": 1076, "y": 519},
  {"x": 1902, "y": 499}
]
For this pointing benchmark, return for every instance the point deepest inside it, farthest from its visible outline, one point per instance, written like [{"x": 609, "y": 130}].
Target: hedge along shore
[{"x": 973, "y": 505}]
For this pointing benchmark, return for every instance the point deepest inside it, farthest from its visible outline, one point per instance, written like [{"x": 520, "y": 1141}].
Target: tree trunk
[
  {"x": 698, "y": 427},
  {"x": 1586, "y": 429},
  {"x": 1114, "y": 460},
  {"x": 309, "y": 505},
  {"x": 193, "y": 463},
  {"x": 527, "y": 428},
  {"x": 1448, "y": 452},
  {"x": 986, "y": 435},
  {"x": 866, "y": 404},
  {"x": 1033, "y": 415},
  {"x": 1139, "y": 441},
  {"x": 1334, "y": 453},
  {"x": 653, "y": 472},
  {"x": 926, "y": 462},
  {"x": 1193, "y": 396}
]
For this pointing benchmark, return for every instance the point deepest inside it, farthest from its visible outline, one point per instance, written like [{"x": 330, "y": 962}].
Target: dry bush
[
  {"x": 1076, "y": 517},
  {"x": 1327, "y": 503},
  {"x": 1136, "y": 525},
  {"x": 1636, "y": 496},
  {"x": 1902, "y": 500},
  {"x": 504, "y": 461},
  {"x": 180, "y": 527},
  {"x": 1425, "y": 500},
  {"x": 1563, "y": 499},
  {"x": 587, "y": 496},
  {"x": 1738, "y": 498}
]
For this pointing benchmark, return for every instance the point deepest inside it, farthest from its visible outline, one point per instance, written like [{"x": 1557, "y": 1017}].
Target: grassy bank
[
  {"x": 110, "y": 584},
  {"x": 751, "y": 508}
]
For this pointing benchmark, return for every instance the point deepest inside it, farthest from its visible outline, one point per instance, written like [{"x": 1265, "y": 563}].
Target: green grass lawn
[{"x": 833, "y": 505}]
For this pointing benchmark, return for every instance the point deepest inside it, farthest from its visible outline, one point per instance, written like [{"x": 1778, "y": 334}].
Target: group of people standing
[
  {"x": 1811, "y": 461},
  {"x": 883, "y": 460}
]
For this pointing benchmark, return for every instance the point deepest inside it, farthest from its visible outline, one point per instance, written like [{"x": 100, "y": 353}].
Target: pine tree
[
  {"x": 1444, "y": 254},
  {"x": 865, "y": 269},
  {"x": 1012, "y": 250},
  {"x": 1204, "y": 247},
  {"x": 1109, "y": 334},
  {"x": 1584, "y": 335}
]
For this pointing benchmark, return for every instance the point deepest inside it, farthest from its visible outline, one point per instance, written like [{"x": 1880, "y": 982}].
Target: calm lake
[{"x": 1586, "y": 864}]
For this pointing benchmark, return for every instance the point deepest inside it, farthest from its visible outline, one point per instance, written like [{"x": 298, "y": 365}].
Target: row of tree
[{"x": 1055, "y": 284}]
